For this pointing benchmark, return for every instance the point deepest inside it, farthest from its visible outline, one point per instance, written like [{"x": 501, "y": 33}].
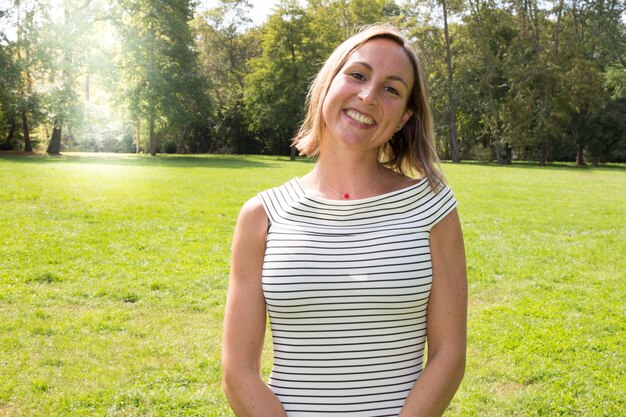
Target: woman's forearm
[
  {"x": 446, "y": 324},
  {"x": 249, "y": 396},
  {"x": 244, "y": 320},
  {"x": 435, "y": 388}
]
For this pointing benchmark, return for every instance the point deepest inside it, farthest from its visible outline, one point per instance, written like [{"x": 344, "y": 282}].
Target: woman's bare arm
[
  {"x": 446, "y": 323},
  {"x": 244, "y": 320}
]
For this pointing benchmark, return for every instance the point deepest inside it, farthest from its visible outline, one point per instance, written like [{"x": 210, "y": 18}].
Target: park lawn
[{"x": 113, "y": 274}]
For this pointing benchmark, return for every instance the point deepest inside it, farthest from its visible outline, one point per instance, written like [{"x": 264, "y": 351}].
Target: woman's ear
[{"x": 405, "y": 118}]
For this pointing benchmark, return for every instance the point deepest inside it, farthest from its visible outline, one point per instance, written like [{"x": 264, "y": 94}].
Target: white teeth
[{"x": 361, "y": 118}]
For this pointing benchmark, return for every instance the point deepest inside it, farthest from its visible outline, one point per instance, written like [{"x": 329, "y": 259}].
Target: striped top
[{"x": 346, "y": 283}]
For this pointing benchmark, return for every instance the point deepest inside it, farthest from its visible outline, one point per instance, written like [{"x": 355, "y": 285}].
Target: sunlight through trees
[{"x": 509, "y": 80}]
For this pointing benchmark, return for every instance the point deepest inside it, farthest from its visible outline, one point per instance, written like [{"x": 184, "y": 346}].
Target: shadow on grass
[
  {"x": 177, "y": 161},
  {"x": 245, "y": 161},
  {"x": 552, "y": 166}
]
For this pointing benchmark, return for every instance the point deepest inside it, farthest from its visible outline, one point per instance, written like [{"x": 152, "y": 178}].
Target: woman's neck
[{"x": 346, "y": 177}]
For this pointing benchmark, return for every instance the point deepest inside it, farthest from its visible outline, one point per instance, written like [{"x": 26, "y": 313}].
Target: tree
[
  {"x": 481, "y": 85},
  {"x": 9, "y": 95},
  {"x": 515, "y": 79},
  {"x": 452, "y": 102},
  {"x": 295, "y": 43},
  {"x": 226, "y": 43},
  {"x": 594, "y": 39},
  {"x": 55, "y": 49},
  {"x": 532, "y": 108},
  {"x": 162, "y": 84},
  {"x": 24, "y": 57},
  {"x": 433, "y": 36},
  {"x": 335, "y": 20},
  {"x": 605, "y": 131},
  {"x": 278, "y": 82}
]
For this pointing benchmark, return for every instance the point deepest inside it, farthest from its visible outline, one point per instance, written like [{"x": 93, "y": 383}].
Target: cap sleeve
[{"x": 443, "y": 203}]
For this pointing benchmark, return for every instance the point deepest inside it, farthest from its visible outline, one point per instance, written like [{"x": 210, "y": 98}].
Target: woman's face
[{"x": 367, "y": 100}]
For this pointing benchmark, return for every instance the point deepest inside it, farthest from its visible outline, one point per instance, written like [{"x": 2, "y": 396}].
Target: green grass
[{"x": 113, "y": 272}]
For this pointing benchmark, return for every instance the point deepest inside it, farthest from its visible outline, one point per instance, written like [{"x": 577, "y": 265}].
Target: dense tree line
[{"x": 525, "y": 79}]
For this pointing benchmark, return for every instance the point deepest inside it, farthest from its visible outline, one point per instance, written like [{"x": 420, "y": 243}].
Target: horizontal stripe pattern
[{"x": 346, "y": 285}]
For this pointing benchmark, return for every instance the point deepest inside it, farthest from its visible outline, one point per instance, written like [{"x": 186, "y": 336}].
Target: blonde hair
[{"x": 410, "y": 150}]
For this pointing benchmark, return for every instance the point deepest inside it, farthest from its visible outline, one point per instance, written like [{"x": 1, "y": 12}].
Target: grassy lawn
[{"x": 113, "y": 271}]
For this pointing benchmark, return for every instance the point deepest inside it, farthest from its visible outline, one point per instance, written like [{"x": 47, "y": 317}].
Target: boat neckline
[{"x": 356, "y": 200}]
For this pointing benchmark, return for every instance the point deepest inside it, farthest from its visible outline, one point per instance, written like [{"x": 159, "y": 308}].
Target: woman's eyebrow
[{"x": 390, "y": 77}]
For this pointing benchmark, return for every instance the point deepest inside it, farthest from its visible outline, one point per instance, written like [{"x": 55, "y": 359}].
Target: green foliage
[
  {"x": 116, "y": 309},
  {"x": 63, "y": 38},
  {"x": 226, "y": 44},
  {"x": 21, "y": 105},
  {"x": 523, "y": 80},
  {"x": 481, "y": 82},
  {"x": 9, "y": 98},
  {"x": 295, "y": 43},
  {"x": 161, "y": 78},
  {"x": 615, "y": 81},
  {"x": 526, "y": 79},
  {"x": 605, "y": 131},
  {"x": 279, "y": 78}
]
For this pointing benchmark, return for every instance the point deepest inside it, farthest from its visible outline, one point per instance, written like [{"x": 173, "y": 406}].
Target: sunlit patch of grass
[
  {"x": 112, "y": 281},
  {"x": 547, "y": 280},
  {"x": 114, "y": 271}
]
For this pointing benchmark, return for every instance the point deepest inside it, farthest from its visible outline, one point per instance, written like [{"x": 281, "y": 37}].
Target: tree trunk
[
  {"x": 550, "y": 156},
  {"x": 54, "y": 147},
  {"x": 138, "y": 145},
  {"x": 11, "y": 134},
  {"x": 454, "y": 146},
  {"x": 294, "y": 75},
  {"x": 557, "y": 28},
  {"x": 87, "y": 87},
  {"x": 508, "y": 159},
  {"x": 504, "y": 156},
  {"x": 28, "y": 147},
  {"x": 498, "y": 152},
  {"x": 543, "y": 157},
  {"x": 152, "y": 137},
  {"x": 452, "y": 132},
  {"x": 580, "y": 158},
  {"x": 596, "y": 161}
]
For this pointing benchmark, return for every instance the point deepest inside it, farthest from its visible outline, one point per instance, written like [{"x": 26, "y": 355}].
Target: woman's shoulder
[
  {"x": 252, "y": 215},
  {"x": 264, "y": 207},
  {"x": 394, "y": 181},
  {"x": 437, "y": 185},
  {"x": 253, "y": 207}
]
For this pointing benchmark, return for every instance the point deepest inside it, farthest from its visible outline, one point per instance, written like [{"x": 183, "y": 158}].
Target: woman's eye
[
  {"x": 392, "y": 91},
  {"x": 357, "y": 76}
]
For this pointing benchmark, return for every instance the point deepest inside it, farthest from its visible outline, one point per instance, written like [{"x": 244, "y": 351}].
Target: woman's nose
[{"x": 368, "y": 94}]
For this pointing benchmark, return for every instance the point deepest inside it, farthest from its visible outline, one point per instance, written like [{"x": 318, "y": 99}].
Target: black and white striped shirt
[{"x": 346, "y": 285}]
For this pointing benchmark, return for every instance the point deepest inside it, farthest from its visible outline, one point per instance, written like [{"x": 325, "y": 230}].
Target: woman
[{"x": 356, "y": 263}]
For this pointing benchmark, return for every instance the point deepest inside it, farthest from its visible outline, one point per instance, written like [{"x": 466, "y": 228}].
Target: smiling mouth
[{"x": 361, "y": 118}]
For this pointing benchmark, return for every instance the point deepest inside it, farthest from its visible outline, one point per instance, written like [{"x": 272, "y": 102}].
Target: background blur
[{"x": 513, "y": 79}]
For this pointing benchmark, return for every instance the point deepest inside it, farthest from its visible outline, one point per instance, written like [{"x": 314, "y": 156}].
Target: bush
[
  {"x": 482, "y": 153},
  {"x": 126, "y": 144},
  {"x": 170, "y": 147}
]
